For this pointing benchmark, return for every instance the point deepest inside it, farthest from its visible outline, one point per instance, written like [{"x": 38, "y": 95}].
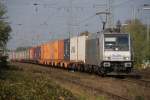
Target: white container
[
  {"x": 23, "y": 55},
  {"x": 17, "y": 55},
  {"x": 20, "y": 55},
  {"x": 78, "y": 48},
  {"x": 11, "y": 55},
  {"x": 27, "y": 54}
]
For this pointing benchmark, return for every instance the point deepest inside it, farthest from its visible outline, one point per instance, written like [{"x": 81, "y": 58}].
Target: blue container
[{"x": 67, "y": 49}]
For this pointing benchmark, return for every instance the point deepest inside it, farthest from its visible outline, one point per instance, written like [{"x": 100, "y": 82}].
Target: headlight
[
  {"x": 126, "y": 58},
  {"x": 107, "y": 58},
  {"x": 106, "y": 64},
  {"x": 128, "y": 64}
]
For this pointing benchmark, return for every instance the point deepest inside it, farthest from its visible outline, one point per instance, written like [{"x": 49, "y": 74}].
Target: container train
[{"x": 102, "y": 54}]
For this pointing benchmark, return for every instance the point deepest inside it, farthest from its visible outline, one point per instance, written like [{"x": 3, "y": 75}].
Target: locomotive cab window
[{"x": 116, "y": 43}]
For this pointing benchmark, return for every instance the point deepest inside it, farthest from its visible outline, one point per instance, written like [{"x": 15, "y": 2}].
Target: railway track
[
  {"x": 88, "y": 87},
  {"x": 142, "y": 82},
  {"x": 136, "y": 79}
]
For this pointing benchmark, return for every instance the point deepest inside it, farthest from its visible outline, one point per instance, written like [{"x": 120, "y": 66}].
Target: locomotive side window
[{"x": 110, "y": 43}]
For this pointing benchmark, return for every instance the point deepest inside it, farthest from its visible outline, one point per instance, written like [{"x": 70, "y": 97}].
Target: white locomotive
[{"x": 110, "y": 52}]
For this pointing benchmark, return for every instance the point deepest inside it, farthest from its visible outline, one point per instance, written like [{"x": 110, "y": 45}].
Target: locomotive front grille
[{"x": 120, "y": 66}]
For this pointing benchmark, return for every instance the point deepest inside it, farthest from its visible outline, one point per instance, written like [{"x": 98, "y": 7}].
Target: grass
[
  {"x": 30, "y": 82},
  {"x": 16, "y": 84}
]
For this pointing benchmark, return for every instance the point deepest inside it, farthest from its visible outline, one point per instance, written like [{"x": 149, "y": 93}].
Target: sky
[{"x": 35, "y": 22}]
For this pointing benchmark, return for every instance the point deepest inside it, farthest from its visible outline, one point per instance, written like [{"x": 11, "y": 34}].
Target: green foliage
[
  {"x": 139, "y": 43},
  {"x": 5, "y": 29},
  {"x": 2, "y": 10},
  {"x": 139, "y": 98},
  {"x": 86, "y": 33},
  {"x": 3, "y": 62},
  {"x": 18, "y": 85},
  {"x": 4, "y": 33}
]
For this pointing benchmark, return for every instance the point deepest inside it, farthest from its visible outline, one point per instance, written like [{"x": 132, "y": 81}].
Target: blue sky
[{"x": 49, "y": 19}]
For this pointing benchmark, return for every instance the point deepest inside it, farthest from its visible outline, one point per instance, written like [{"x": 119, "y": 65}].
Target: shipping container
[
  {"x": 46, "y": 49},
  {"x": 78, "y": 48},
  {"x": 18, "y": 55},
  {"x": 22, "y": 55},
  {"x": 37, "y": 53},
  {"x": 28, "y": 54},
  {"x": 52, "y": 51},
  {"x": 58, "y": 49},
  {"x": 42, "y": 51},
  {"x": 32, "y": 53},
  {"x": 67, "y": 49},
  {"x": 55, "y": 49},
  {"x": 12, "y": 56}
]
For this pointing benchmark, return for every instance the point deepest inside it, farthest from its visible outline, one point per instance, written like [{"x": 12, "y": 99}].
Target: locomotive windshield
[{"x": 116, "y": 42}]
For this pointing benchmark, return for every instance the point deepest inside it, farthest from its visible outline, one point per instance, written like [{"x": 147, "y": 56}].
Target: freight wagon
[{"x": 103, "y": 53}]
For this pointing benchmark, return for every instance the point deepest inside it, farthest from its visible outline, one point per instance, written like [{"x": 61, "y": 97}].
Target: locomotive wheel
[
  {"x": 90, "y": 68},
  {"x": 128, "y": 70},
  {"x": 82, "y": 68},
  {"x": 69, "y": 67},
  {"x": 73, "y": 67},
  {"x": 101, "y": 71}
]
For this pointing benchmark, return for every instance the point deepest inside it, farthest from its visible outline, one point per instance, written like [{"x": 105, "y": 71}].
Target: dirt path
[{"x": 78, "y": 84}]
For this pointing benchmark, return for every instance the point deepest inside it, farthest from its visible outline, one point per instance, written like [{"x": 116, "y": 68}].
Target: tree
[
  {"x": 86, "y": 33},
  {"x": 137, "y": 31},
  {"x": 4, "y": 33},
  {"x": 5, "y": 29}
]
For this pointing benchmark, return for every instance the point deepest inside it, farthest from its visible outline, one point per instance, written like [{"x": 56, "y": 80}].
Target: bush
[
  {"x": 3, "y": 62},
  {"x": 17, "y": 85}
]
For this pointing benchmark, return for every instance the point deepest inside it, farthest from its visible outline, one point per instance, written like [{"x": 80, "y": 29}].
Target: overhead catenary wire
[
  {"x": 116, "y": 5},
  {"x": 122, "y": 3},
  {"x": 81, "y": 7},
  {"x": 87, "y": 19}
]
